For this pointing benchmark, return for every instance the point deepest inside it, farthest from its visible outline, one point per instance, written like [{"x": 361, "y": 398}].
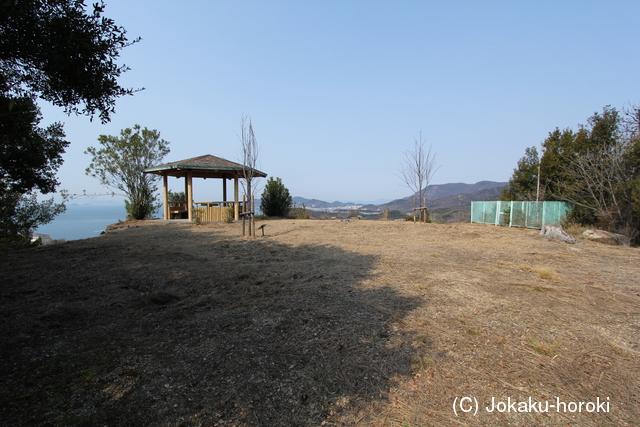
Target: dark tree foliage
[
  {"x": 176, "y": 196},
  {"x": 58, "y": 51},
  {"x": 276, "y": 200},
  {"x": 560, "y": 149},
  {"x": 29, "y": 159},
  {"x": 29, "y": 155},
  {"x": 597, "y": 168},
  {"x": 604, "y": 131},
  {"x": 20, "y": 215},
  {"x": 524, "y": 181}
]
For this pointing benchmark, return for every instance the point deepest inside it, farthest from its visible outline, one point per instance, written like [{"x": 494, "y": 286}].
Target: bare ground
[{"x": 366, "y": 323}]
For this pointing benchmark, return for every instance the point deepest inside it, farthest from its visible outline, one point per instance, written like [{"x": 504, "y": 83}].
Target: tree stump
[{"x": 556, "y": 232}]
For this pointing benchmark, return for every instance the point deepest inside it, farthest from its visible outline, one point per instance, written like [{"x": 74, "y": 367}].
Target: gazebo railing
[
  {"x": 214, "y": 211},
  {"x": 211, "y": 211}
]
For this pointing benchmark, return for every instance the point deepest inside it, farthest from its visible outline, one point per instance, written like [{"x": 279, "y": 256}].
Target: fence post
[{"x": 510, "y": 214}]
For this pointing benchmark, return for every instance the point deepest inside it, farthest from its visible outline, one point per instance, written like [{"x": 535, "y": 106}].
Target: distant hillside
[
  {"x": 443, "y": 190},
  {"x": 446, "y": 202},
  {"x": 464, "y": 199},
  {"x": 451, "y": 195},
  {"x": 458, "y": 208}
]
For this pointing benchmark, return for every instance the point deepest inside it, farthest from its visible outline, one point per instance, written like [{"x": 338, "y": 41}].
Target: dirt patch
[{"x": 319, "y": 323}]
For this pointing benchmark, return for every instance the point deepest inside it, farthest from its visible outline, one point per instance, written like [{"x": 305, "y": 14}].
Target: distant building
[{"x": 46, "y": 239}]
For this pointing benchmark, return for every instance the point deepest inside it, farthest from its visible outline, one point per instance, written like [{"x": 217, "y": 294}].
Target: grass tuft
[
  {"x": 573, "y": 229},
  {"x": 543, "y": 347},
  {"x": 546, "y": 273},
  {"x": 621, "y": 351}
]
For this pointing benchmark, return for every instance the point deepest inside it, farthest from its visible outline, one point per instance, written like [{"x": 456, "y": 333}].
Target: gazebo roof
[{"x": 207, "y": 166}]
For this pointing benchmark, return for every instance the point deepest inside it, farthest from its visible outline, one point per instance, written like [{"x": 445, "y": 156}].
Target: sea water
[{"x": 81, "y": 221}]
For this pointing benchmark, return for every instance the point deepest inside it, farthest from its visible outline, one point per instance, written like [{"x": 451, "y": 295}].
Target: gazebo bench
[{"x": 178, "y": 213}]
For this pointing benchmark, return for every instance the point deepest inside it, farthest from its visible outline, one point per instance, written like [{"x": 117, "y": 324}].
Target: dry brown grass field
[{"x": 365, "y": 323}]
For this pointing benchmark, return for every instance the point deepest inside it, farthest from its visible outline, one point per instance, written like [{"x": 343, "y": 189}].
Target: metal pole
[{"x": 538, "y": 189}]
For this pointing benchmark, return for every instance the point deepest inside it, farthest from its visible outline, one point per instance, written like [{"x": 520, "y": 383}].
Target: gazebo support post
[
  {"x": 235, "y": 199},
  {"x": 190, "y": 195},
  {"x": 186, "y": 193},
  {"x": 165, "y": 182},
  {"x": 224, "y": 190}
]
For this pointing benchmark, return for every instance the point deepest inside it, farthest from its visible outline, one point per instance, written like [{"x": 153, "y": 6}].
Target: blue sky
[{"x": 338, "y": 90}]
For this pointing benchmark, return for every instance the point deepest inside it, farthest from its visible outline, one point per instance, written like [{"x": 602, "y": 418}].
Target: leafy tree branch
[{"x": 120, "y": 163}]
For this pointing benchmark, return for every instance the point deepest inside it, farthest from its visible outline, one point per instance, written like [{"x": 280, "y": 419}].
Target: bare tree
[
  {"x": 596, "y": 188},
  {"x": 603, "y": 184},
  {"x": 631, "y": 123},
  {"x": 604, "y": 181},
  {"x": 250, "y": 152},
  {"x": 418, "y": 168}
]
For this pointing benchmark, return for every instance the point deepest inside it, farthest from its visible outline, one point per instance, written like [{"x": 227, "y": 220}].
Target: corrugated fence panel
[
  {"x": 489, "y": 213},
  {"x": 517, "y": 214},
  {"x": 535, "y": 214},
  {"x": 520, "y": 214}
]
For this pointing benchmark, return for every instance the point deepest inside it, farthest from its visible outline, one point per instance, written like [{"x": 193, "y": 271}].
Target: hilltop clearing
[{"x": 366, "y": 323}]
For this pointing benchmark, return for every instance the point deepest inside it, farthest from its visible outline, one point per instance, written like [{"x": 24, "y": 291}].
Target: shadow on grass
[{"x": 205, "y": 330}]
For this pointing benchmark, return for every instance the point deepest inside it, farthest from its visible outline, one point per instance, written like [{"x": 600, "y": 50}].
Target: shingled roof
[{"x": 207, "y": 166}]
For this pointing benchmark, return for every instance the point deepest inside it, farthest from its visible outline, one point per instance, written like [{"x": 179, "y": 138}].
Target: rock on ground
[{"x": 606, "y": 237}]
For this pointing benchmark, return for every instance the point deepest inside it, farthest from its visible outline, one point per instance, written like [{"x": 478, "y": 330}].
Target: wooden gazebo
[{"x": 207, "y": 166}]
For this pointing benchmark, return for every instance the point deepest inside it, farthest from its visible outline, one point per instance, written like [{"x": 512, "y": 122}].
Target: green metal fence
[{"x": 520, "y": 214}]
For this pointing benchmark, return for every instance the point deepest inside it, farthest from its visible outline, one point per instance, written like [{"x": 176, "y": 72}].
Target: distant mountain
[
  {"x": 450, "y": 202},
  {"x": 443, "y": 190},
  {"x": 451, "y": 195},
  {"x": 464, "y": 199}
]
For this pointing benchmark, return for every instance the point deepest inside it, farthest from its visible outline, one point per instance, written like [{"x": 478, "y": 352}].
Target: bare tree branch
[
  {"x": 418, "y": 167},
  {"x": 597, "y": 185},
  {"x": 250, "y": 152}
]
